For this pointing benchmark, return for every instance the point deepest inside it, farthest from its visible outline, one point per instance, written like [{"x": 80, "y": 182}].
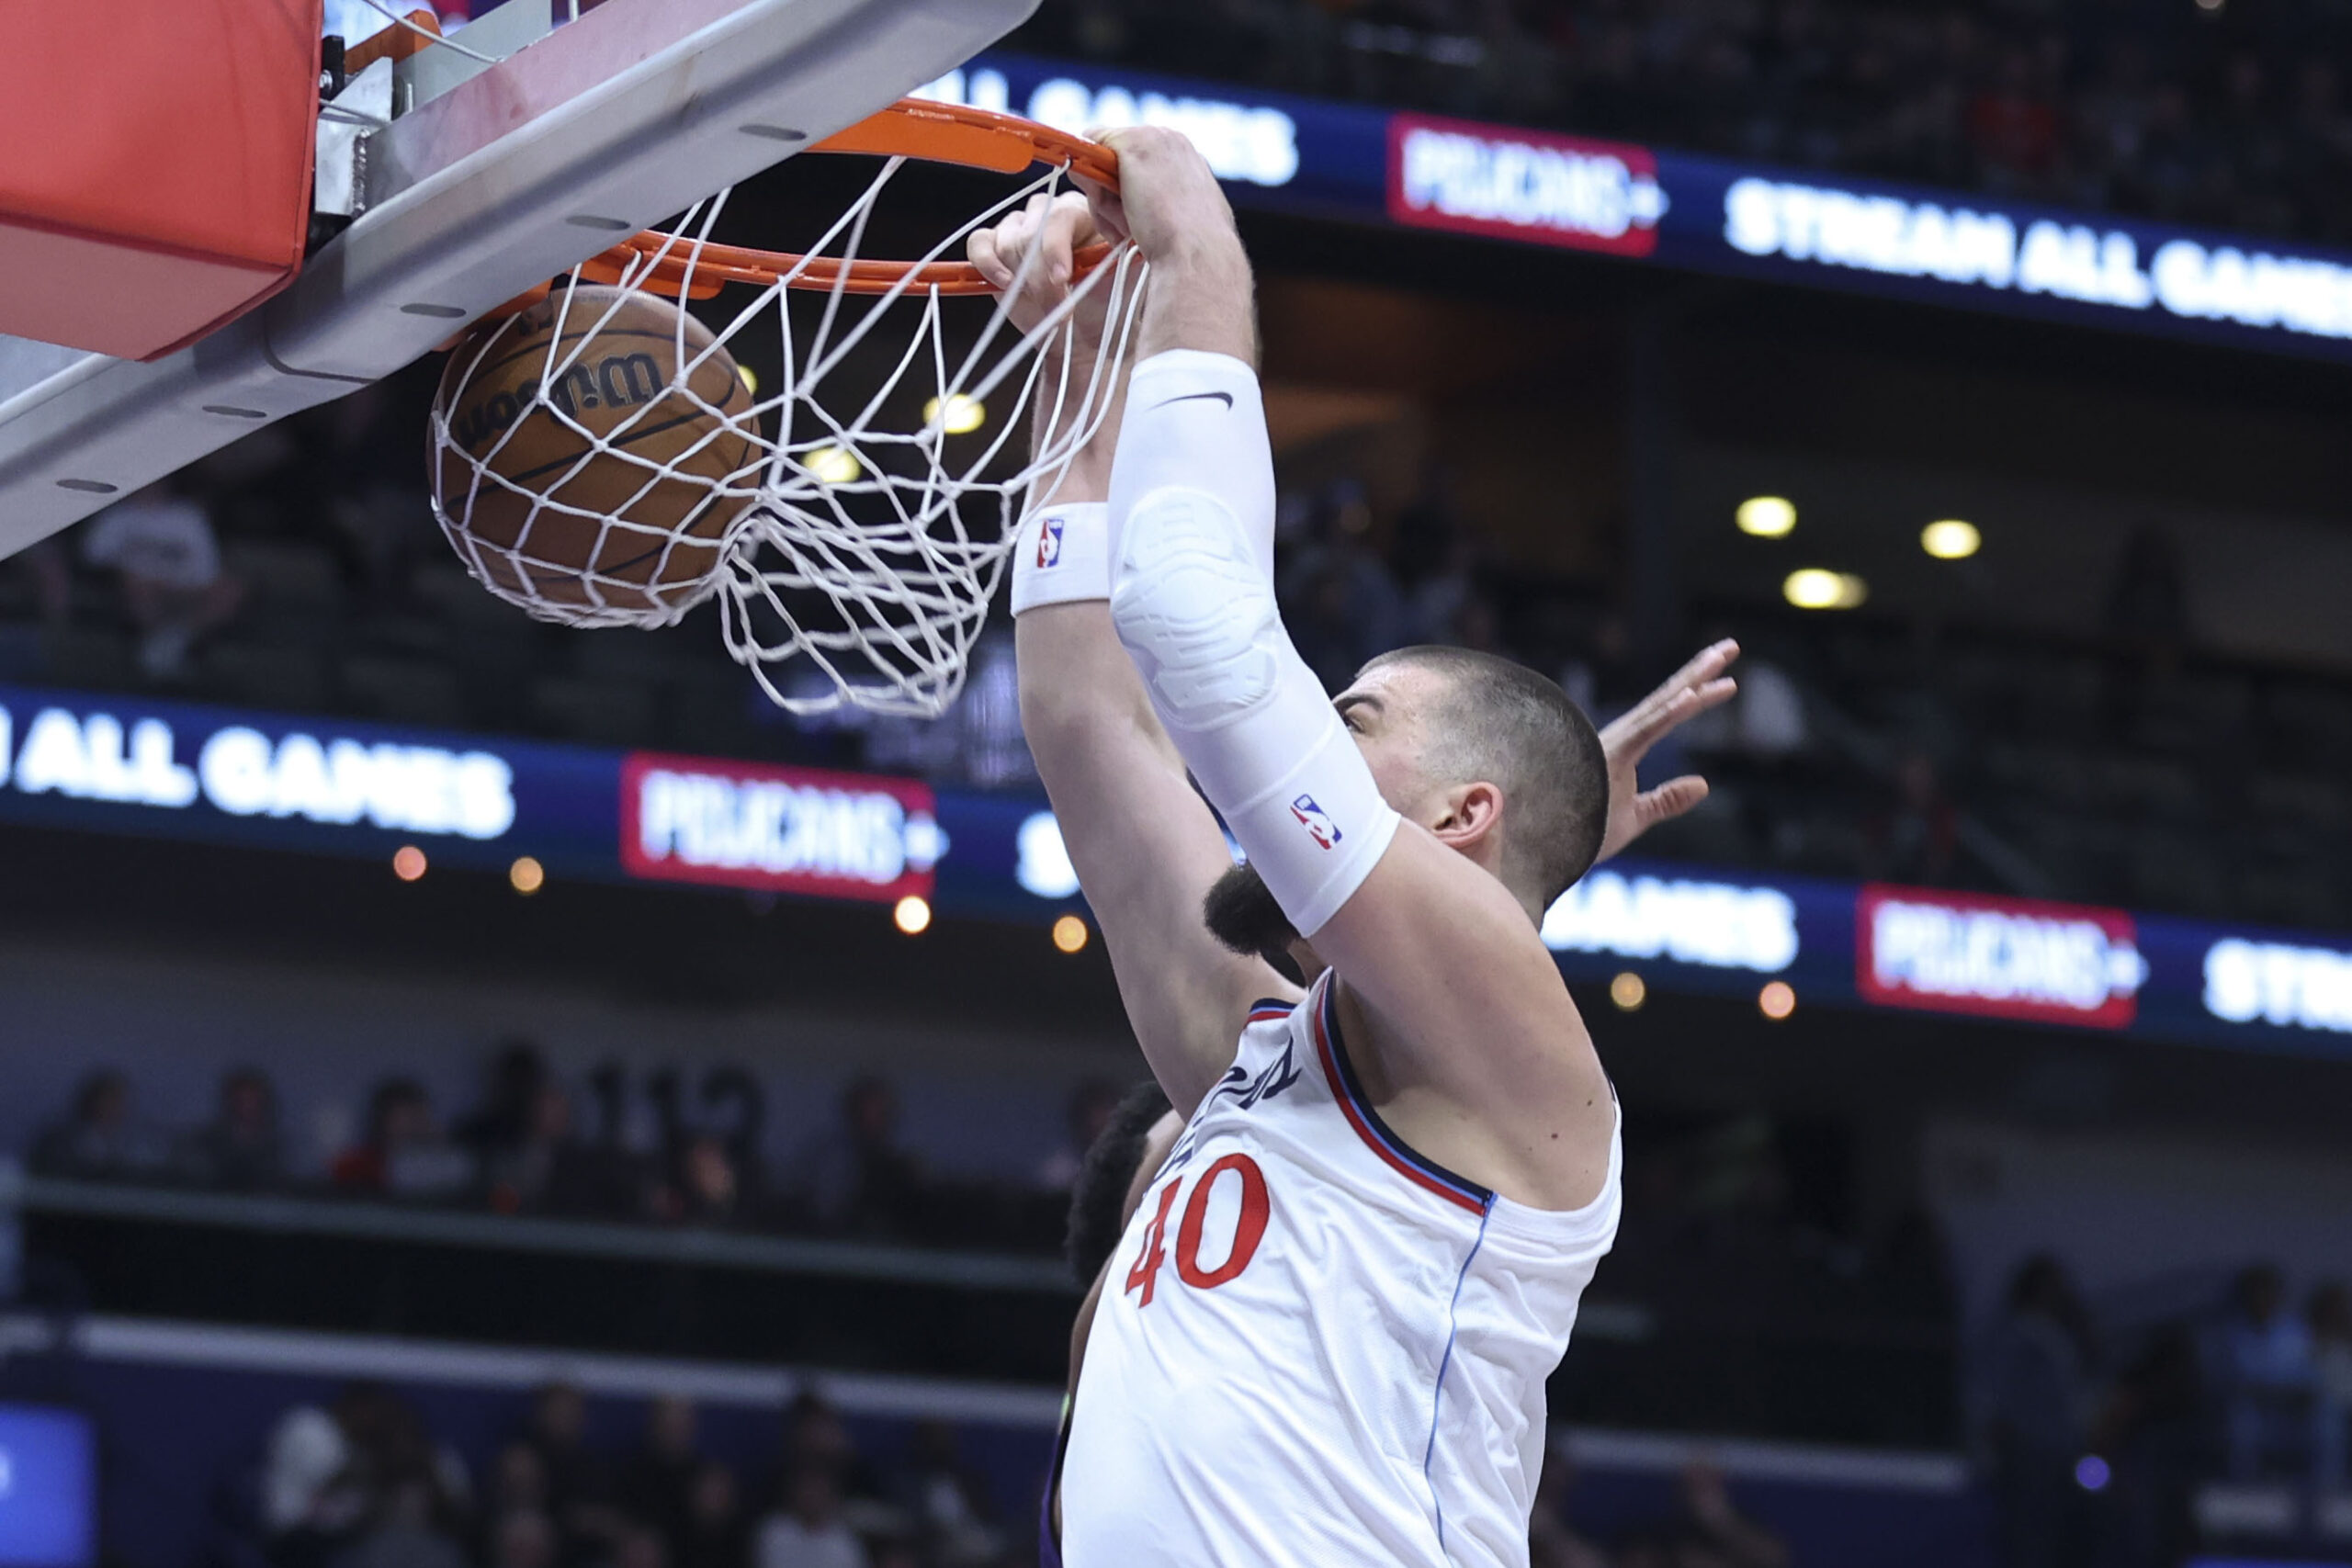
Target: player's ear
[{"x": 1468, "y": 815}]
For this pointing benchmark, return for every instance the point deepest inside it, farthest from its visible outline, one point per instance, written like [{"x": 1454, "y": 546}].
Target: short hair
[
  {"x": 1513, "y": 727},
  {"x": 1098, "y": 1200}
]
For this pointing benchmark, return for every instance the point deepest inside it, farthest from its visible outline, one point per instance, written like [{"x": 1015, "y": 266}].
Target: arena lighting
[
  {"x": 832, "y": 465},
  {"x": 912, "y": 915},
  {"x": 1776, "y": 1000},
  {"x": 1628, "y": 991},
  {"x": 751, "y": 379},
  {"x": 2092, "y": 1473},
  {"x": 527, "y": 874},
  {"x": 1070, "y": 934},
  {"x": 1950, "y": 539},
  {"x": 408, "y": 862},
  {"x": 1767, "y": 516},
  {"x": 959, "y": 414},
  {"x": 1813, "y": 588}
]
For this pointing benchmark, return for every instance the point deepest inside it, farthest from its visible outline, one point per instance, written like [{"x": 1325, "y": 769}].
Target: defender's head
[
  {"x": 1487, "y": 755},
  {"x": 1118, "y": 1165}
]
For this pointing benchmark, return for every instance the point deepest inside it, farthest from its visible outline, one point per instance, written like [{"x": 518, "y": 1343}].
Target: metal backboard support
[{"x": 512, "y": 174}]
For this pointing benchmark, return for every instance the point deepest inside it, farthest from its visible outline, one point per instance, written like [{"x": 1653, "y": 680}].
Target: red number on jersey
[
  {"x": 1248, "y": 1227},
  {"x": 1248, "y": 1230},
  {"x": 1147, "y": 1264}
]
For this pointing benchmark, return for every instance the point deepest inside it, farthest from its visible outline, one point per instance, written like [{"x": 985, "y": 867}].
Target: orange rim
[{"x": 912, "y": 128}]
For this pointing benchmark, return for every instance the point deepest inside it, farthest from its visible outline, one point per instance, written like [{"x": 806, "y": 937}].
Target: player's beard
[{"x": 1240, "y": 913}]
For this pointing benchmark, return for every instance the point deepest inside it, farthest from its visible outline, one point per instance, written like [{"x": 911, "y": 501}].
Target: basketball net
[{"x": 872, "y": 537}]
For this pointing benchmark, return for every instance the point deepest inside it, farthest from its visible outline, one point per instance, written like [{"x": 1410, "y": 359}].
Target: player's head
[
  {"x": 1122, "y": 1159},
  {"x": 1487, "y": 754},
  {"x": 1490, "y": 756}
]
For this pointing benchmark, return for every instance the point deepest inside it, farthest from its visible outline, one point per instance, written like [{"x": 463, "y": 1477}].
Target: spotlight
[
  {"x": 1812, "y": 588},
  {"x": 1069, "y": 935},
  {"x": 959, "y": 414},
  {"x": 1950, "y": 539},
  {"x": 1628, "y": 992},
  {"x": 750, "y": 378},
  {"x": 832, "y": 465},
  {"x": 1767, "y": 516},
  {"x": 912, "y": 915},
  {"x": 1776, "y": 1000},
  {"x": 527, "y": 874},
  {"x": 2092, "y": 1473},
  {"x": 408, "y": 862}
]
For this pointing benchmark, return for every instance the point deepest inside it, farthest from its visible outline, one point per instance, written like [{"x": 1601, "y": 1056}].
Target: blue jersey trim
[
  {"x": 1348, "y": 1085},
  {"x": 1437, "y": 1396}
]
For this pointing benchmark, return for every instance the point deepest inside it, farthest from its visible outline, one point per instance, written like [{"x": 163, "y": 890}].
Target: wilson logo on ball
[{"x": 616, "y": 380}]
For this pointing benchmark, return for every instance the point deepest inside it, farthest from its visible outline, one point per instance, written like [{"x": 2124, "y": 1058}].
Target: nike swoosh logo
[{"x": 1224, "y": 398}]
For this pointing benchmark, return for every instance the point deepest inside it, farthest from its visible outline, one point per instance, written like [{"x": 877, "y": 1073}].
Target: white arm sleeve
[{"x": 1192, "y": 599}]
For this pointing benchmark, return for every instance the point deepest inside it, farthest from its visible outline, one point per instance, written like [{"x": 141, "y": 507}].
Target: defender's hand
[
  {"x": 1030, "y": 257},
  {"x": 1688, "y": 692}
]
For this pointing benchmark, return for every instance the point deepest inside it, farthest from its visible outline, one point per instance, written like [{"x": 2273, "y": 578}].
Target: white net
[{"x": 854, "y": 522}]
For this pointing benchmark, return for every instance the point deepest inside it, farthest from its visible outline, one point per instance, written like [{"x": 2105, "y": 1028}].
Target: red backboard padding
[{"x": 154, "y": 166}]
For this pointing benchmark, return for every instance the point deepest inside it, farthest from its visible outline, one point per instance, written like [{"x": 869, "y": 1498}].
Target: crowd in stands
[
  {"x": 2097, "y": 1434},
  {"x": 519, "y": 1152},
  {"x": 360, "y": 1482},
  {"x": 2227, "y": 113}
]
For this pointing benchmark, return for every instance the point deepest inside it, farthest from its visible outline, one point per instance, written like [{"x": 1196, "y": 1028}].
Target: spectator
[
  {"x": 657, "y": 1484},
  {"x": 807, "y": 1530},
  {"x": 2330, "y": 1316},
  {"x": 947, "y": 1500},
  {"x": 855, "y": 1178},
  {"x": 715, "y": 1535},
  {"x": 579, "y": 1485},
  {"x": 1712, "y": 1522},
  {"x": 1915, "y": 837},
  {"x": 173, "y": 590},
  {"x": 510, "y": 1100},
  {"x": 99, "y": 1141},
  {"x": 361, "y": 1486},
  {"x": 1552, "y": 1540},
  {"x": 403, "y": 1155},
  {"x": 2037, "y": 1413},
  {"x": 523, "y": 1538},
  {"x": 1091, "y": 1105},
  {"x": 546, "y": 1170},
  {"x": 240, "y": 1149},
  {"x": 815, "y": 1435},
  {"x": 2266, "y": 1376}
]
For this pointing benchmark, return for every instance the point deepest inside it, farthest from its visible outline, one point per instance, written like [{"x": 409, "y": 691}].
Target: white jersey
[{"x": 1315, "y": 1347}]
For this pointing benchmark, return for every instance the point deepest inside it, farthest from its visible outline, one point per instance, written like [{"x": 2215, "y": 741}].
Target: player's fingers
[
  {"x": 981, "y": 251},
  {"x": 1672, "y": 799},
  {"x": 1061, "y": 238}
]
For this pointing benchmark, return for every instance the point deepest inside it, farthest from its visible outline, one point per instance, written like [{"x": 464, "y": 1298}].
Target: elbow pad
[{"x": 1193, "y": 600}]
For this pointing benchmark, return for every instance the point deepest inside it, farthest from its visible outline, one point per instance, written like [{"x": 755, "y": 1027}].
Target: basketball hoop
[{"x": 862, "y": 537}]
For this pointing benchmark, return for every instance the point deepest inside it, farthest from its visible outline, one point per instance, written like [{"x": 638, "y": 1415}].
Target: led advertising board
[
  {"x": 117, "y": 764},
  {"x": 1712, "y": 215}
]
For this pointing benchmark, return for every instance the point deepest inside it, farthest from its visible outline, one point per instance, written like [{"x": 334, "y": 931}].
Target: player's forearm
[
  {"x": 1061, "y": 400},
  {"x": 1201, "y": 295}
]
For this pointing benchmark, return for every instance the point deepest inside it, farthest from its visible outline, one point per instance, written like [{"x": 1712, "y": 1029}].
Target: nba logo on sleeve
[
  {"x": 1049, "y": 542},
  {"x": 1317, "y": 823}
]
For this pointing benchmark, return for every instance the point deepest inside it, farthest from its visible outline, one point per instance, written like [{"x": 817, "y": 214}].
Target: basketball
[{"x": 588, "y": 472}]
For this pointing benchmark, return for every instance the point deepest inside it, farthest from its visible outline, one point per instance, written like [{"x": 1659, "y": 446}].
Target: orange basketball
[{"x": 542, "y": 513}]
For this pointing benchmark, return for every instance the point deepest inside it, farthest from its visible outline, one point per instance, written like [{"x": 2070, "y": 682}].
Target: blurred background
[{"x": 486, "y": 1094}]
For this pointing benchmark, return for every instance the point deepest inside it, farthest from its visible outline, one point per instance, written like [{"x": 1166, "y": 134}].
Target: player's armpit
[
  {"x": 1457, "y": 977},
  {"x": 1146, "y": 846}
]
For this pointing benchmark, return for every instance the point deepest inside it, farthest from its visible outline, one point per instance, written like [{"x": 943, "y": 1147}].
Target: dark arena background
[{"x": 483, "y": 1094}]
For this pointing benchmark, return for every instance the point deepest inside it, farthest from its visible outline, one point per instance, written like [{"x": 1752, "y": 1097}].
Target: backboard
[{"x": 489, "y": 179}]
